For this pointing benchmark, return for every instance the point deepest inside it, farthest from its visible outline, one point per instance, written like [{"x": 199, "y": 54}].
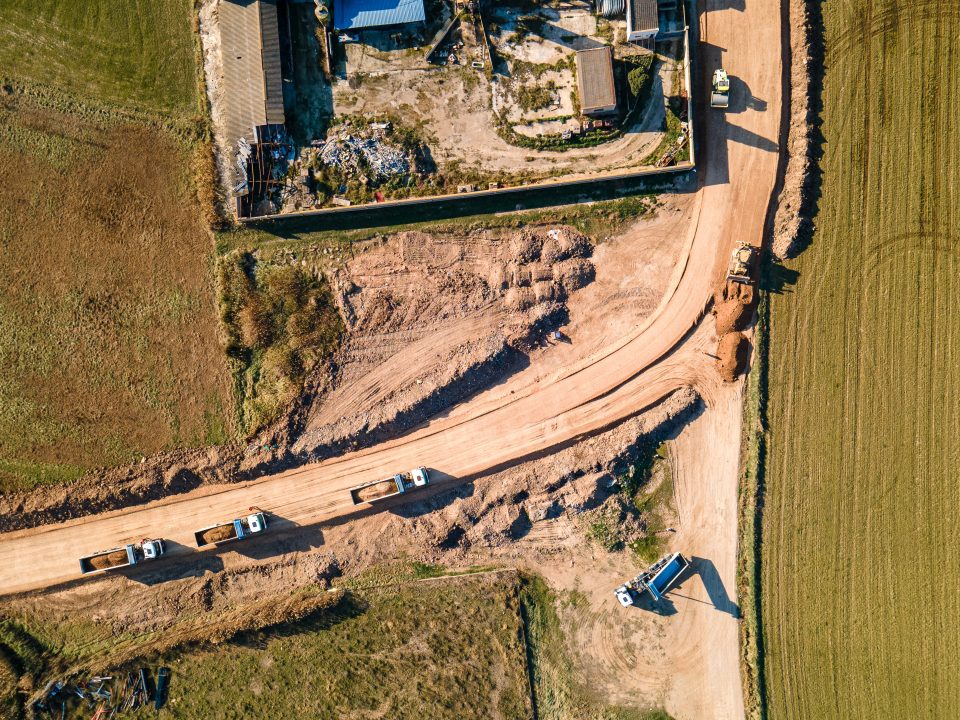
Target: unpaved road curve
[{"x": 738, "y": 166}]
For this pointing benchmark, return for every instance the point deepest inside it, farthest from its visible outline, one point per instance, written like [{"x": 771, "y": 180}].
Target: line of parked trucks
[{"x": 243, "y": 527}]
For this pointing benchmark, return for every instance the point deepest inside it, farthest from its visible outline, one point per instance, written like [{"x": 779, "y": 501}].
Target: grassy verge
[
  {"x": 556, "y": 691},
  {"x": 280, "y": 320},
  {"x": 749, "y": 509},
  {"x": 599, "y": 220},
  {"x": 448, "y": 648}
]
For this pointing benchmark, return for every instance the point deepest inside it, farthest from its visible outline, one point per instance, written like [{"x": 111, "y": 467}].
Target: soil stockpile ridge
[{"x": 733, "y": 352}]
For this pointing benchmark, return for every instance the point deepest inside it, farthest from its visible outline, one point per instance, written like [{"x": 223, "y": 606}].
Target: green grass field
[
  {"x": 860, "y": 544},
  {"x": 134, "y": 53}
]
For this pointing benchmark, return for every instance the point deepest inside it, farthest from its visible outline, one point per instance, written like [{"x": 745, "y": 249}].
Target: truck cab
[
  {"x": 152, "y": 549},
  {"x": 624, "y": 595},
  {"x": 256, "y": 522},
  {"x": 420, "y": 476}
]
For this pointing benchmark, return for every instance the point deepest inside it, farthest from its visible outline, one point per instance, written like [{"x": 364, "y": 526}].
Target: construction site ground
[{"x": 636, "y": 340}]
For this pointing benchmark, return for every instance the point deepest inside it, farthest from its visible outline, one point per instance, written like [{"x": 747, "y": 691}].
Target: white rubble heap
[{"x": 371, "y": 156}]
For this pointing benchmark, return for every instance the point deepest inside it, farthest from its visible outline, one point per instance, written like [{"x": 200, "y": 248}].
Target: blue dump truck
[{"x": 656, "y": 581}]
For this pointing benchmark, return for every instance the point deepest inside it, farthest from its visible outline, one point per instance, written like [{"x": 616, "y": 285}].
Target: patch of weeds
[
  {"x": 280, "y": 321},
  {"x": 558, "y": 690}
]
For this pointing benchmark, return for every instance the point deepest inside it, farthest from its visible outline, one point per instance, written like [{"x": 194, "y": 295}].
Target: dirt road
[{"x": 738, "y": 166}]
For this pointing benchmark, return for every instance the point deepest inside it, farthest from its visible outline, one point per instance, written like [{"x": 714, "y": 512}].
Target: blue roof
[{"x": 356, "y": 14}]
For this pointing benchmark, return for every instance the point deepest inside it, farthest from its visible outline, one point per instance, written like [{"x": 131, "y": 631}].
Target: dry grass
[
  {"x": 860, "y": 558},
  {"x": 450, "y": 648},
  {"x": 108, "y": 326}
]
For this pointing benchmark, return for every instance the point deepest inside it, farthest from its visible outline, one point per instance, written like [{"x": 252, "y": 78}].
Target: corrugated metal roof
[
  {"x": 642, "y": 16},
  {"x": 595, "y": 80},
  {"x": 356, "y": 14},
  {"x": 252, "y": 86},
  {"x": 270, "y": 52}
]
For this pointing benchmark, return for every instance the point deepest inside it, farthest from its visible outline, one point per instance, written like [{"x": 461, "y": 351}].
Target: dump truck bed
[
  {"x": 216, "y": 534},
  {"x": 108, "y": 559},
  {"x": 666, "y": 575},
  {"x": 377, "y": 490}
]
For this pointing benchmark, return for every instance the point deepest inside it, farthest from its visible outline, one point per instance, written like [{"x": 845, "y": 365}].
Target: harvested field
[
  {"x": 108, "y": 328},
  {"x": 862, "y": 504}
]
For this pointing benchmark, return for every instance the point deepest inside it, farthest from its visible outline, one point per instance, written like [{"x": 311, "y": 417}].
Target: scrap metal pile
[
  {"x": 355, "y": 155},
  {"x": 105, "y": 697}
]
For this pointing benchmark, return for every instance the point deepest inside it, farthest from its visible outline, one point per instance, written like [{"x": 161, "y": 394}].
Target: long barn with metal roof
[{"x": 360, "y": 14}]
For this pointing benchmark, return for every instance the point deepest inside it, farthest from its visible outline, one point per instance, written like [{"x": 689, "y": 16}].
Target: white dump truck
[
  {"x": 232, "y": 530},
  {"x": 400, "y": 483},
  {"x": 720, "y": 90},
  {"x": 125, "y": 556}
]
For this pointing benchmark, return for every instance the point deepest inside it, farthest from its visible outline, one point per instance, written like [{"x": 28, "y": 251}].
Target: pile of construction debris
[
  {"x": 105, "y": 697},
  {"x": 357, "y": 153}
]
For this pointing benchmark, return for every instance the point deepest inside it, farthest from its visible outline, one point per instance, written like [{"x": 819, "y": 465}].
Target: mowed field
[
  {"x": 108, "y": 323},
  {"x": 135, "y": 53},
  {"x": 861, "y": 530}
]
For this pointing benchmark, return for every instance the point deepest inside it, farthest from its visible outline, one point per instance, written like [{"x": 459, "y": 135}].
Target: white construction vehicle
[
  {"x": 390, "y": 487},
  {"x": 122, "y": 556},
  {"x": 237, "y": 529},
  {"x": 720, "y": 92},
  {"x": 742, "y": 262}
]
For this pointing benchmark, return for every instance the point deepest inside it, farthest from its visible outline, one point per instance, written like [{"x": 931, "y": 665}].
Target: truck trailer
[
  {"x": 656, "y": 581},
  {"x": 125, "y": 556},
  {"x": 232, "y": 530},
  {"x": 400, "y": 483}
]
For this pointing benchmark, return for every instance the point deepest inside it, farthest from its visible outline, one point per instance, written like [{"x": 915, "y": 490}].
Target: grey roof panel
[
  {"x": 643, "y": 15},
  {"x": 270, "y": 52},
  {"x": 595, "y": 79},
  {"x": 356, "y": 14}
]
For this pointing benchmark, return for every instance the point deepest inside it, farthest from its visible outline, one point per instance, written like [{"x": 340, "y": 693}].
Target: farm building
[
  {"x": 360, "y": 14},
  {"x": 598, "y": 93},
  {"x": 252, "y": 84},
  {"x": 642, "y": 20}
]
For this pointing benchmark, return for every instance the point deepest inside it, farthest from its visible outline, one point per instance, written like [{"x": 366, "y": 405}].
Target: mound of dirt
[
  {"x": 731, "y": 316},
  {"x": 733, "y": 351}
]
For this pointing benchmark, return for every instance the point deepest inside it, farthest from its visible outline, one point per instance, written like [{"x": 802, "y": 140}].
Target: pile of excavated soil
[
  {"x": 732, "y": 316},
  {"x": 102, "y": 562},
  {"x": 797, "y": 200},
  {"x": 733, "y": 352}
]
